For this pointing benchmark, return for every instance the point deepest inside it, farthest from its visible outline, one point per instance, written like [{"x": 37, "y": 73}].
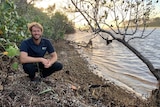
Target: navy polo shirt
[{"x": 34, "y": 50}]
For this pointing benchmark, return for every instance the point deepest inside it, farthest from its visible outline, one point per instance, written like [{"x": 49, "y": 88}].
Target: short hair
[{"x": 36, "y": 24}]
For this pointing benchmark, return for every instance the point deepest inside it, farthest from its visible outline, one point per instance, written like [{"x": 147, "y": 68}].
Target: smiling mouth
[{"x": 36, "y": 37}]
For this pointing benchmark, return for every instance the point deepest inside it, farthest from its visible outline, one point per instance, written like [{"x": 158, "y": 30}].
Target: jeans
[{"x": 32, "y": 68}]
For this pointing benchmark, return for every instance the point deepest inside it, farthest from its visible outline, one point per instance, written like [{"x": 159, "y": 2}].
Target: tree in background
[
  {"x": 31, "y": 14},
  {"x": 48, "y": 18},
  {"x": 127, "y": 15},
  {"x": 60, "y": 25},
  {"x": 154, "y": 22}
]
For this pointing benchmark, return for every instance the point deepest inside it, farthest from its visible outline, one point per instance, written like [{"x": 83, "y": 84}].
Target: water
[{"x": 116, "y": 63}]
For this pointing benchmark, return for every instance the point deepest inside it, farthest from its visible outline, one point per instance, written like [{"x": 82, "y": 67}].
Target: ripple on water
[{"x": 116, "y": 63}]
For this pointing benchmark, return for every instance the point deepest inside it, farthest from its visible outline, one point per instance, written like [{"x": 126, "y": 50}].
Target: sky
[
  {"x": 62, "y": 3},
  {"x": 59, "y": 5},
  {"x": 157, "y": 6},
  {"x": 46, "y": 3}
]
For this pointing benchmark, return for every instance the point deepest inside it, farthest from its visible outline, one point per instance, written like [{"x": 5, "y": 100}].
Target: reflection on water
[{"x": 116, "y": 63}]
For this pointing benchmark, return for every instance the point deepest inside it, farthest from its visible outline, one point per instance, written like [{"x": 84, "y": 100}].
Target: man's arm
[
  {"x": 24, "y": 58},
  {"x": 53, "y": 57},
  {"x": 52, "y": 60}
]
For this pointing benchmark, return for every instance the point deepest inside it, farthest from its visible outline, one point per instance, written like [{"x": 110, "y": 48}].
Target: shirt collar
[{"x": 32, "y": 42}]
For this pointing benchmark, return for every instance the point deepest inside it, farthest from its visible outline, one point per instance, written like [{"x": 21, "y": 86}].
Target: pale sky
[
  {"x": 63, "y": 3},
  {"x": 46, "y": 3},
  {"x": 158, "y": 8}
]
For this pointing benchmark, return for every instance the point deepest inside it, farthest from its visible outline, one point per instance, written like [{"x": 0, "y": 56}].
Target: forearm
[
  {"x": 29, "y": 59},
  {"x": 53, "y": 58}
]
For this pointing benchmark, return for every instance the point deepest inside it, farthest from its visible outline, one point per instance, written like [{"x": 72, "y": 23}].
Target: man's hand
[
  {"x": 48, "y": 64},
  {"x": 44, "y": 61}
]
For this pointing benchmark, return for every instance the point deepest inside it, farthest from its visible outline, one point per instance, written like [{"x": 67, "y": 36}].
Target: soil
[{"x": 74, "y": 86}]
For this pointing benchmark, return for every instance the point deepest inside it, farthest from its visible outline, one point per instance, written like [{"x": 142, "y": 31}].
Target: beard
[{"x": 36, "y": 37}]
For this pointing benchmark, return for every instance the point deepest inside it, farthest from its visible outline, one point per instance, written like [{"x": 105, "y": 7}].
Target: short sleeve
[
  {"x": 23, "y": 46},
  {"x": 50, "y": 47}
]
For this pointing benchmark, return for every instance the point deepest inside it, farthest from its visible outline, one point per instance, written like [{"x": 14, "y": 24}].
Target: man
[{"x": 32, "y": 51}]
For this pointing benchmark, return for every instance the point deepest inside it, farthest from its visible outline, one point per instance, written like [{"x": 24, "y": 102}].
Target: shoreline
[
  {"x": 122, "y": 93},
  {"x": 95, "y": 70},
  {"x": 80, "y": 45}
]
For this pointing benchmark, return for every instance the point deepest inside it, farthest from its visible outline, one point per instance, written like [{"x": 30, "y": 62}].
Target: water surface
[{"x": 118, "y": 64}]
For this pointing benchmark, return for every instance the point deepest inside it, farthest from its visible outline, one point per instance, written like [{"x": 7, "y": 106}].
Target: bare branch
[
  {"x": 83, "y": 15},
  {"x": 128, "y": 17},
  {"x": 142, "y": 36}
]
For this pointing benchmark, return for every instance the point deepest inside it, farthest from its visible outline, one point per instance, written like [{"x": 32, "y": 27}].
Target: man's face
[{"x": 36, "y": 33}]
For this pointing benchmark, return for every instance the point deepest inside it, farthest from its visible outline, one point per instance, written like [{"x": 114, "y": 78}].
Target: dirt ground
[{"x": 74, "y": 86}]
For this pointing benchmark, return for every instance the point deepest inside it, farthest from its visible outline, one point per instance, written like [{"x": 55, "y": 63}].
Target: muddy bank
[{"x": 74, "y": 86}]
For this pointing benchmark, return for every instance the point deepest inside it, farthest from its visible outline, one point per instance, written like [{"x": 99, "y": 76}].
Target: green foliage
[
  {"x": 12, "y": 31},
  {"x": 15, "y": 65},
  {"x": 60, "y": 25},
  {"x": 12, "y": 51},
  {"x": 12, "y": 26},
  {"x": 69, "y": 28},
  {"x": 35, "y": 15},
  {"x": 32, "y": 14},
  {"x": 58, "y": 22}
]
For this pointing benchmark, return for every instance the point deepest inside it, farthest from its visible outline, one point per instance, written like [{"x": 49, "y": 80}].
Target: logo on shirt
[{"x": 44, "y": 48}]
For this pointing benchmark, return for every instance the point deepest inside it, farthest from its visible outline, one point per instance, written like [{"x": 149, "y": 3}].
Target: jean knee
[
  {"x": 57, "y": 66},
  {"x": 60, "y": 66},
  {"x": 29, "y": 68}
]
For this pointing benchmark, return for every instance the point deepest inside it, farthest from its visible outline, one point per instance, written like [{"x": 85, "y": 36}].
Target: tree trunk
[{"x": 155, "y": 72}]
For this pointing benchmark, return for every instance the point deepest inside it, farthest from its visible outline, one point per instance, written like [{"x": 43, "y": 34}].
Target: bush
[
  {"x": 12, "y": 32},
  {"x": 60, "y": 25},
  {"x": 13, "y": 27}
]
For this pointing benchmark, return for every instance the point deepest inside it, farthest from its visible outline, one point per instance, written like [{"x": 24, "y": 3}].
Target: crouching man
[{"x": 32, "y": 51}]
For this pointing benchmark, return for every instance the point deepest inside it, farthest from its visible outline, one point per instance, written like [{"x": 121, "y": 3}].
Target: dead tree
[{"x": 127, "y": 18}]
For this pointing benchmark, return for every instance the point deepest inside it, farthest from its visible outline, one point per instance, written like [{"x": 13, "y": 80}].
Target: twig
[
  {"x": 30, "y": 101},
  {"x": 45, "y": 91},
  {"x": 142, "y": 36}
]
